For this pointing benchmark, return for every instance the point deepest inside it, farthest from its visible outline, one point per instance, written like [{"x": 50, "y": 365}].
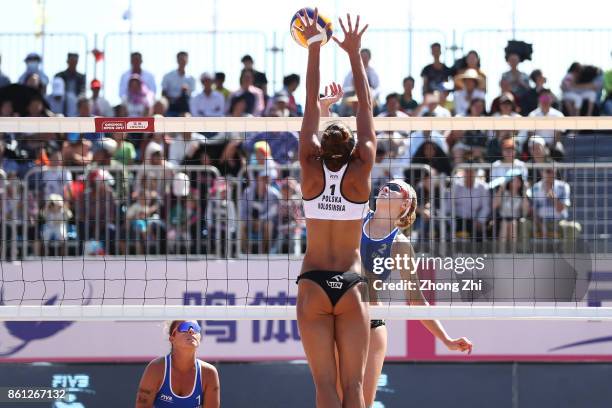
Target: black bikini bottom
[
  {"x": 377, "y": 323},
  {"x": 335, "y": 284}
]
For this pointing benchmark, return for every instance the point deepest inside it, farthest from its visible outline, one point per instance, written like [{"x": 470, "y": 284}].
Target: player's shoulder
[
  {"x": 401, "y": 237},
  {"x": 209, "y": 374},
  {"x": 153, "y": 375},
  {"x": 156, "y": 366},
  {"x": 207, "y": 368},
  {"x": 402, "y": 242}
]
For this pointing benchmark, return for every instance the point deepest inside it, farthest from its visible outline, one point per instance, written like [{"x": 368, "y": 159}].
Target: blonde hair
[{"x": 408, "y": 216}]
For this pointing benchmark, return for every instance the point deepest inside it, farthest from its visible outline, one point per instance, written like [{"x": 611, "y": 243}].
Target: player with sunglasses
[
  {"x": 179, "y": 379},
  {"x": 381, "y": 237}
]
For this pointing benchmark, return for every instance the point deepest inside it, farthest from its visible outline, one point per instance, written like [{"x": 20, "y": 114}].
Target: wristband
[{"x": 317, "y": 38}]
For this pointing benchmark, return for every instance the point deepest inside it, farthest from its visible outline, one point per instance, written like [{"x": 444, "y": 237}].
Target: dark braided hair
[{"x": 337, "y": 143}]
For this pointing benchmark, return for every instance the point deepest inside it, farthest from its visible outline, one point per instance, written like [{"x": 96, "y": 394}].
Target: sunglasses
[
  {"x": 394, "y": 187},
  {"x": 185, "y": 326}
]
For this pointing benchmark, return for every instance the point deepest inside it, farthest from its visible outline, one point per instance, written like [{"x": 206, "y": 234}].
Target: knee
[
  {"x": 352, "y": 387},
  {"x": 326, "y": 386}
]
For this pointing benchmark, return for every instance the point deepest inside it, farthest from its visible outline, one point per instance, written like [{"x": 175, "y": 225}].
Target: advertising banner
[{"x": 252, "y": 282}]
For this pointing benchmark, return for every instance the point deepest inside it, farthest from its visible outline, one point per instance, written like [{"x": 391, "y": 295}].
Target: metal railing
[
  {"x": 548, "y": 45},
  {"x": 53, "y": 47},
  {"x": 3, "y": 216},
  {"x": 588, "y": 217},
  {"x": 131, "y": 210},
  {"x": 221, "y": 50},
  {"x": 208, "y": 51},
  {"x": 409, "y": 53},
  {"x": 117, "y": 210},
  {"x": 137, "y": 210}
]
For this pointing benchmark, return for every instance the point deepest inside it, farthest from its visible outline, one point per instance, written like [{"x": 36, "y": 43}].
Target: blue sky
[{"x": 553, "y": 51}]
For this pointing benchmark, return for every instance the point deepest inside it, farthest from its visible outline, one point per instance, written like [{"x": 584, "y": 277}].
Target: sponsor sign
[{"x": 136, "y": 125}]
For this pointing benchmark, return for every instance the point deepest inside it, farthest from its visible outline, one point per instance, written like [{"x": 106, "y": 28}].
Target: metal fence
[
  {"x": 53, "y": 47},
  {"x": 3, "y": 216},
  {"x": 588, "y": 220},
  {"x": 396, "y": 52},
  {"x": 118, "y": 210},
  {"x": 144, "y": 210},
  {"x": 208, "y": 51},
  {"x": 586, "y": 45}
]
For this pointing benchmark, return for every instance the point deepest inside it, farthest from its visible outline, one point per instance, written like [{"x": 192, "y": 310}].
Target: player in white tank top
[
  {"x": 331, "y": 203},
  {"x": 330, "y": 309}
]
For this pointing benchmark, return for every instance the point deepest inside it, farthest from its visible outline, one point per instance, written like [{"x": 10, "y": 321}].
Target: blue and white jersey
[
  {"x": 376, "y": 248},
  {"x": 166, "y": 398}
]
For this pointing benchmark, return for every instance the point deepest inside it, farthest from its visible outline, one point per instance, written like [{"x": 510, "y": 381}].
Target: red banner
[{"x": 133, "y": 125}]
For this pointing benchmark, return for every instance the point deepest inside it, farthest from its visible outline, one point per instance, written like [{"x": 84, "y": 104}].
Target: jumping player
[
  {"x": 381, "y": 237},
  {"x": 335, "y": 186}
]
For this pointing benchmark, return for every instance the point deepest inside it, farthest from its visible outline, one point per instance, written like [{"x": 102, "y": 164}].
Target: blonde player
[{"x": 381, "y": 238}]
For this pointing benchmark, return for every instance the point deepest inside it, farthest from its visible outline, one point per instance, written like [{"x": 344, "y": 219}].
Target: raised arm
[
  {"x": 333, "y": 93},
  {"x": 309, "y": 143},
  {"x": 366, "y": 136}
]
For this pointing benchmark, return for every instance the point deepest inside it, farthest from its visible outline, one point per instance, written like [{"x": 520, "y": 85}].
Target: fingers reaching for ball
[
  {"x": 352, "y": 36},
  {"x": 308, "y": 27}
]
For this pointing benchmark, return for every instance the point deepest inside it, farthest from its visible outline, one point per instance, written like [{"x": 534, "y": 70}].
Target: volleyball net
[{"x": 175, "y": 218}]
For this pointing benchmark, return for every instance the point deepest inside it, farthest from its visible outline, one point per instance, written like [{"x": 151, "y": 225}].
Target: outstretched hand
[
  {"x": 461, "y": 344},
  {"x": 310, "y": 27},
  {"x": 352, "y": 36},
  {"x": 333, "y": 93}
]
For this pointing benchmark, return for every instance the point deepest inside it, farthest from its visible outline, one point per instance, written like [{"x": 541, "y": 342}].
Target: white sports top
[{"x": 330, "y": 204}]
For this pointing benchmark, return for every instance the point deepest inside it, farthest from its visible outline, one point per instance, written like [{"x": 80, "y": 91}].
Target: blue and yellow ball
[{"x": 322, "y": 22}]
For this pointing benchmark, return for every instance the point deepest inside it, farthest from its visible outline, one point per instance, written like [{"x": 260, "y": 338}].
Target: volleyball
[{"x": 322, "y": 22}]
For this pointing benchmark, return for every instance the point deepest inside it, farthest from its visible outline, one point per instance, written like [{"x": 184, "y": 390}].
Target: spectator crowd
[{"x": 117, "y": 193}]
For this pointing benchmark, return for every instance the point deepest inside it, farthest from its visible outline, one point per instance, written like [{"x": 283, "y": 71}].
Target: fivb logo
[
  {"x": 70, "y": 381},
  {"x": 337, "y": 284},
  {"x": 165, "y": 398},
  {"x": 333, "y": 177}
]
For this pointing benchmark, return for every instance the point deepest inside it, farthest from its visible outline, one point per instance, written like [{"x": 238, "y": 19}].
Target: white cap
[
  {"x": 55, "y": 198},
  {"x": 206, "y": 75},
  {"x": 109, "y": 145},
  {"x": 180, "y": 185},
  {"x": 152, "y": 147},
  {"x": 536, "y": 139}
]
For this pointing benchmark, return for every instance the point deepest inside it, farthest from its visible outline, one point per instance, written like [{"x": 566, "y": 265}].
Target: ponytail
[{"x": 408, "y": 216}]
